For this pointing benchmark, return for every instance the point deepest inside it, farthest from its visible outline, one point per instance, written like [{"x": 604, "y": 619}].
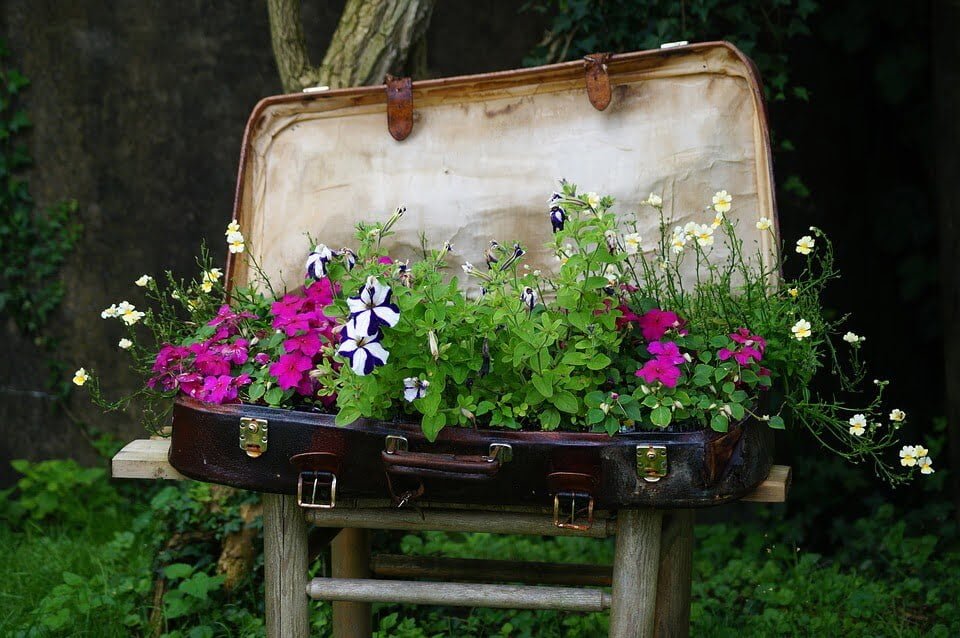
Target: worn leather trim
[
  {"x": 399, "y": 107},
  {"x": 598, "y": 82}
]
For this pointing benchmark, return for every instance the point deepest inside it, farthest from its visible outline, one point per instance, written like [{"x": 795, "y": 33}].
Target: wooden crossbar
[{"x": 458, "y": 594}]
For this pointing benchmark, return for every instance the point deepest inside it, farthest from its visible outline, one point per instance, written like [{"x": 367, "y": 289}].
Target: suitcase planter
[{"x": 471, "y": 159}]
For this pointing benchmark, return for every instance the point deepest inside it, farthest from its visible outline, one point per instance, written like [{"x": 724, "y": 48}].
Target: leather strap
[
  {"x": 598, "y": 82},
  {"x": 399, "y": 107},
  {"x": 448, "y": 466},
  {"x": 572, "y": 482}
]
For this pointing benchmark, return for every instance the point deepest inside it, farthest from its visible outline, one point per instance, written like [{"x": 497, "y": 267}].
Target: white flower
[
  {"x": 805, "y": 245},
  {"x": 631, "y": 243},
  {"x": 801, "y": 329},
  {"x": 897, "y": 415},
  {"x": 129, "y": 313},
  {"x": 468, "y": 268},
  {"x": 678, "y": 241},
  {"x": 690, "y": 229},
  {"x": 213, "y": 275},
  {"x": 765, "y": 417},
  {"x": 722, "y": 201},
  {"x": 717, "y": 220},
  {"x": 236, "y": 242},
  {"x": 654, "y": 200},
  {"x": 704, "y": 235},
  {"x": 371, "y": 308},
  {"x": 232, "y": 227},
  {"x": 414, "y": 388},
  {"x": 919, "y": 450},
  {"x": 764, "y": 223},
  {"x": 908, "y": 456},
  {"x": 604, "y": 407},
  {"x": 143, "y": 281},
  {"x": 80, "y": 377},
  {"x": 593, "y": 200},
  {"x": 110, "y": 313},
  {"x": 926, "y": 465},
  {"x": 858, "y": 424},
  {"x": 529, "y": 298},
  {"x": 853, "y": 339},
  {"x": 125, "y": 344},
  {"x": 612, "y": 273},
  {"x": 124, "y": 307}
]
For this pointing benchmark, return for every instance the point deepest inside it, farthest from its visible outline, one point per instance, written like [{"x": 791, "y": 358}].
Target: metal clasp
[
  {"x": 651, "y": 462},
  {"x": 396, "y": 443},
  {"x": 314, "y": 478},
  {"x": 502, "y": 452},
  {"x": 253, "y": 436},
  {"x": 570, "y": 520}
]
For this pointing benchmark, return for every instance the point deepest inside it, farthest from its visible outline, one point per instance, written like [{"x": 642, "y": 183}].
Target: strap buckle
[
  {"x": 568, "y": 520},
  {"x": 315, "y": 479}
]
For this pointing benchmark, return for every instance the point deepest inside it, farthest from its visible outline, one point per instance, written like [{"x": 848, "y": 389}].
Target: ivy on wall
[{"x": 34, "y": 241}]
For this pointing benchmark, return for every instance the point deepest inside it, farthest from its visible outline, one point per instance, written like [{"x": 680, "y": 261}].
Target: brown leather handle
[{"x": 451, "y": 466}]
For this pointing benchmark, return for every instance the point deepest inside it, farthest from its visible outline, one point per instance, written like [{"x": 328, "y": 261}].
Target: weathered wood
[
  {"x": 774, "y": 489},
  {"x": 144, "y": 459},
  {"x": 147, "y": 458},
  {"x": 672, "y": 618},
  {"x": 453, "y": 521},
  {"x": 350, "y": 558},
  {"x": 459, "y": 594},
  {"x": 285, "y": 567},
  {"x": 483, "y": 570},
  {"x": 635, "y": 566}
]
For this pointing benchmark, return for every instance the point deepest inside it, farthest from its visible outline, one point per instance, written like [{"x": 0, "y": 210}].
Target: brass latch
[
  {"x": 253, "y": 436},
  {"x": 651, "y": 462}
]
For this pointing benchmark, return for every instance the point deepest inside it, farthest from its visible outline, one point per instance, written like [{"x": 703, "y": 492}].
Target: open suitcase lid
[{"x": 485, "y": 152}]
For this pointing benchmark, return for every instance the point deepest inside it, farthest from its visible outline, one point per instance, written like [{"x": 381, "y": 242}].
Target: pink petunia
[
  {"x": 308, "y": 343},
  {"x": 626, "y": 317},
  {"x": 660, "y": 370},
  {"x": 211, "y": 363},
  {"x": 235, "y": 353},
  {"x": 290, "y": 369},
  {"x": 655, "y": 323},
  {"x": 750, "y": 350},
  {"x": 261, "y": 358},
  {"x": 218, "y": 389},
  {"x": 666, "y": 351}
]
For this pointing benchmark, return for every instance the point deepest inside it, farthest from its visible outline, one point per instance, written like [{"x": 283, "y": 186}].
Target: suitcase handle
[{"x": 473, "y": 467}]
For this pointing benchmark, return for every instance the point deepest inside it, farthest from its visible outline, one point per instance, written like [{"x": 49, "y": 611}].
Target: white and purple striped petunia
[
  {"x": 317, "y": 262},
  {"x": 362, "y": 348},
  {"x": 557, "y": 218},
  {"x": 372, "y": 308},
  {"x": 529, "y": 298},
  {"x": 414, "y": 388}
]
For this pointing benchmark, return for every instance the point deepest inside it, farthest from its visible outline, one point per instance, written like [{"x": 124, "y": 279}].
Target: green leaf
[
  {"x": 661, "y": 416},
  {"x": 719, "y": 374},
  {"x": 566, "y": 402},
  {"x": 595, "y": 415},
  {"x": 549, "y": 419},
  {"x": 542, "y": 385},
  {"x": 575, "y": 358},
  {"x": 720, "y": 423},
  {"x": 611, "y": 425},
  {"x": 776, "y": 422},
  {"x": 598, "y": 362},
  {"x": 347, "y": 415},
  {"x": 201, "y": 584},
  {"x": 720, "y": 341},
  {"x": 705, "y": 356},
  {"x": 177, "y": 570},
  {"x": 255, "y": 391},
  {"x": 273, "y": 396},
  {"x": 728, "y": 387},
  {"x": 737, "y": 411},
  {"x": 432, "y": 424}
]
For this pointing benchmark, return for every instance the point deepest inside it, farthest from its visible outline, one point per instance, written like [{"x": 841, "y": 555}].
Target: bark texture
[
  {"x": 373, "y": 38},
  {"x": 946, "y": 72}
]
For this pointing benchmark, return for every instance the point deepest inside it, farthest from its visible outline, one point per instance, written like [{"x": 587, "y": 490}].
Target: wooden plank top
[{"x": 147, "y": 459}]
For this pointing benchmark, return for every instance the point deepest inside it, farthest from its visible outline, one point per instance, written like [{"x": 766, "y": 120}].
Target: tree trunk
[
  {"x": 946, "y": 79},
  {"x": 373, "y": 38}
]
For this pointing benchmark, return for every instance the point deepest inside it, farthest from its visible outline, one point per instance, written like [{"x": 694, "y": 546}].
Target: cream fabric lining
[{"x": 480, "y": 164}]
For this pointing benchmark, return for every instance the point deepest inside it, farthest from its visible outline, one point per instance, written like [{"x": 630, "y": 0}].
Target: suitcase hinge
[
  {"x": 598, "y": 81},
  {"x": 253, "y": 436},
  {"x": 651, "y": 462}
]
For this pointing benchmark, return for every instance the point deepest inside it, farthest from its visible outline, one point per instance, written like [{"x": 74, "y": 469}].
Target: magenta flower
[
  {"x": 308, "y": 343},
  {"x": 261, "y": 358},
  {"x": 218, "y": 389},
  {"x": 209, "y": 362},
  {"x": 660, "y": 370},
  {"x": 667, "y": 351},
  {"x": 168, "y": 356},
  {"x": 190, "y": 383},
  {"x": 655, "y": 323},
  {"x": 750, "y": 350},
  {"x": 235, "y": 353},
  {"x": 291, "y": 369}
]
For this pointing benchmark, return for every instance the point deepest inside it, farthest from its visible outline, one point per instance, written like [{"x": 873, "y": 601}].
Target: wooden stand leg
[
  {"x": 285, "y": 568},
  {"x": 350, "y": 558},
  {"x": 635, "y": 565},
  {"x": 673, "y": 583}
]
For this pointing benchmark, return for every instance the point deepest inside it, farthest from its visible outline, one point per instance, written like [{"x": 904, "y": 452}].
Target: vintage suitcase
[{"x": 473, "y": 159}]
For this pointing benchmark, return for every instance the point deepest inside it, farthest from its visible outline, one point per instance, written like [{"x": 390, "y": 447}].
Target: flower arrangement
[{"x": 614, "y": 339}]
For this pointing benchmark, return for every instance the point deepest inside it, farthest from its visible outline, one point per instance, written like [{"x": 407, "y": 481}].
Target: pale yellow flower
[
  {"x": 805, "y": 245},
  {"x": 801, "y": 330},
  {"x": 704, "y": 235},
  {"x": 612, "y": 273},
  {"x": 206, "y": 286},
  {"x": 631, "y": 243},
  {"x": 125, "y": 344},
  {"x": 908, "y": 456},
  {"x": 80, "y": 377},
  {"x": 110, "y": 313},
  {"x": 236, "y": 242},
  {"x": 919, "y": 450},
  {"x": 722, "y": 201},
  {"x": 144, "y": 281},
  {"x": 858, "y": 424},
  {"x": 232, "y": 227},
  {"x": 926, "y": 465},
  {"x": 679, "y": 240},
  {"x": 853, "y": 338},
  {"x": 793, "y": 292},
  {"x": 764, "y": 223},
  {"x": 593, "y": 200},
  {"x": 655, "y": 200},
  {"x": 897, "y": 415},
  {"x": 717, "y": 220}
]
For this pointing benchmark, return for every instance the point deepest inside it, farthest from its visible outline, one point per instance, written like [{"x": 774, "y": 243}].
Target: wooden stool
[{"x": 650, "y": 577}]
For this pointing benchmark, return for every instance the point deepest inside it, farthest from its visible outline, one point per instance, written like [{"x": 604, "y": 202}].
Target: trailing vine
[{"x": 34, "y": 241}]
